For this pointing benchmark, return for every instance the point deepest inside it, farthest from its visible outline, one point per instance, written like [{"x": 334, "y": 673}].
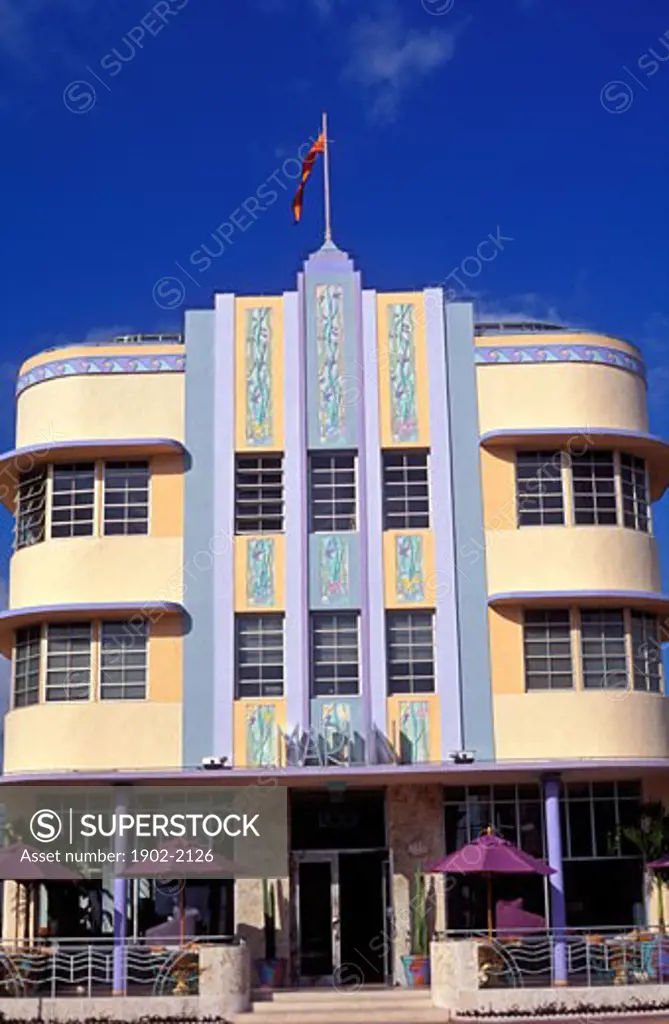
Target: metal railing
[
  {"x": 592, "y": 957},
  {"x": 93, "y": 967}
]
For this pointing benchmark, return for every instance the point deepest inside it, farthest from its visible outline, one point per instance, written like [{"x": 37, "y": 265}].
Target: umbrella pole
[
  {"x": 490, "y": 917},
  {"x": 182, "y": 913}
]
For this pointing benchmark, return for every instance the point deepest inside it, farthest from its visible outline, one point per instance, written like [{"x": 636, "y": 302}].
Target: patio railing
[
  {"x": 86, "y": 967},
  {"x": 606, "y": 956}
]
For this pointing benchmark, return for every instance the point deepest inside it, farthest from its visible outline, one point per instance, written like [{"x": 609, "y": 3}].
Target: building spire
[{"x": 326, "y": 182}]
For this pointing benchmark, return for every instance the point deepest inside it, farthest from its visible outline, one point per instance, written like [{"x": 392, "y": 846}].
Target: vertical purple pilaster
[
  {"x": 376, "y": 612},
  {"x": 120, "y": 911},
  {"x": 556, "y": 881},
  {"x": 296, "y": 525}
]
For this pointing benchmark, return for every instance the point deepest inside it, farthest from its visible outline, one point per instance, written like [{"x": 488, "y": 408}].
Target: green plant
[
  {"x": 269, "y": 914},
  {"x": 650, "y": 836},
  {"x": 419, "y": 920}
]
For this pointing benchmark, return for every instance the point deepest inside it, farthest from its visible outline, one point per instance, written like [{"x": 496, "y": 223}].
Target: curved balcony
[
  {"x": 555, "y": 381},
  {"x": 550, "y": 559},
  {"x": 90, "y": 570},
  {"x": 578, "y": 725},
  {"x": 93, "y": 735},
  {"x": 110, "y": 391}
]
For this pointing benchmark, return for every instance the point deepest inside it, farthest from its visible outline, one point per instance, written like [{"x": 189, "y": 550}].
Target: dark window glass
[
  {"x": 406, "y": 501},
  {"x": 259, "y": 655},
  {"x": 259, "y": 494},
  {"x": 73, "y": 500},
  {"x": 539, "y": 489},
  {"x": 603, "y": 649},
  {"x": 332, "y": 487},
  {"x": 646, "y": 652},
  {"x": 68, "y": 663},
  {"x": 410, "y": 640},
  {"x": 634, "y": 487},
  {"x": 27, "y": 666},
  {"x": 593, "y": 482},
  {"x": 123, "y": 660},
  {"x": 126, "y": 497},
  {"x": 335, "y": 656},
  {"x": 30, "y": 509},
  {"x": 547, "y": 647}
]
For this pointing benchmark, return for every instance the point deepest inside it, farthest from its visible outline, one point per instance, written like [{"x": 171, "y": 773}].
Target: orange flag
[{"x": 307, "y": 167}]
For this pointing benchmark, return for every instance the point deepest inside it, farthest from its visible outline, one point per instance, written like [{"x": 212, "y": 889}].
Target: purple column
[
  {"x": 556, "y": 881},
  {"x": 120, "y": 908}
]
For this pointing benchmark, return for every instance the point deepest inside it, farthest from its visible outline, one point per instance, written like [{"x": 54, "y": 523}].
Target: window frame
[
  {"x": 391, "y": 520},
  {"x": 146, "y": 629},
  {"x": 548, "y": 657},
  {"x": 635, "y": 472},
  {"x": 74, "y": 468},
  {"x": 589, "y": 457},
  {"x": 258, "y": 529},
  {"x": 129, "y": 465},
  {"x": 603, "y": 655},
  {"x": 538, "y": 494},
  {"x": 260, "y": 683},
  {"x": 653, "y": 647},
  {"x": 37, "y": 630},
  {"x": 40, "y": 475},
  {"x": 339, "y": 687},
  {"x": 332, "y": 516},
  {"x": 395, "y": 614},
  {"x": 67, "y": 684}
]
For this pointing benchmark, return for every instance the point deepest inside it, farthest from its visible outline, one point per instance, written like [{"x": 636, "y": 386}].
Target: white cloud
[{"x": 387, "y": 59}]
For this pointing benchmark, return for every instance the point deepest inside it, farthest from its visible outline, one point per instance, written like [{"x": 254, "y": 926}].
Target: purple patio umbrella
[
  {"x": 660, "y": 863},
  {"x": 491, "y": 855},
  {"x": 179, "y": 858}
]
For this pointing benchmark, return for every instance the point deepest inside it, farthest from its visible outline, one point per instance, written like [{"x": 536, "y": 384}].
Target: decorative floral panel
[
  {"x": 329, "y": 342},
  {"x": 402, "y": 360},
  {"x": 262, "y": 736},
  {"x": 409, "y": 570},
  {"x": 258, "y": 373},
  {"x": 336, "y": 730},
  {"x": 260, "y": 591},
  {"x": 414, "y": 719},
  {"x": 334, "y": 569}
]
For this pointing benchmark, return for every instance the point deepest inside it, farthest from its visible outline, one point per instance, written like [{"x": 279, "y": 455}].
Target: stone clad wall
[{"x": 416, "y": 838}]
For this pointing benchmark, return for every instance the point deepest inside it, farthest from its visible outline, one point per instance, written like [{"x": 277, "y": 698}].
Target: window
[
  {"x": 259, "y": 494},
  {"x": 646, "y": 652},
  {"x": 26, "y": 666},
  {"x": 68, "y": 662},
  {"x": 335, "y": 660},
  {"x": 603, "y": 649},
  {"x": 635, "y": 493},
  {"x": 593, "y": 477},
  {"x": 514, "y": 811},
  {"x": 593, "y": 814},
  {"x": 30, "y": 509},
  {"x": 406, "y": 504},
  {"x": 259, "y": 655},
  {"x": 410, "y": 640},
  {"x": 547, "y": 643},
  {"x": 539, "y": 489},
  {"x": 332, "y": 492},
  {"x": 123, "y": 660},
  {"x": 126, "y": 497},
  {"x": 73, "y": 500}
]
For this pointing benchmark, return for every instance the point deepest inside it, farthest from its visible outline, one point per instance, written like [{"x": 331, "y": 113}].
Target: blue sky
[{"x": 132, "y": 131}]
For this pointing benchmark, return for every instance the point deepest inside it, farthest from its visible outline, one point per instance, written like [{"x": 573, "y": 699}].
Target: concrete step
[
  {"x": 330, "y": 1006},
  {"x": 346, "y": 1015}
]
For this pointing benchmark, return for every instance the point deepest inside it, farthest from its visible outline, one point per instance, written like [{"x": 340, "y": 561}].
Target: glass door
[{"x": 318, "y": 916}]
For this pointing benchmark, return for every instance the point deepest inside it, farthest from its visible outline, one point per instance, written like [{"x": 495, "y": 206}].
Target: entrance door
[
  {"x": 318, "y": 915},
  {"x": 364, "y": 928}
]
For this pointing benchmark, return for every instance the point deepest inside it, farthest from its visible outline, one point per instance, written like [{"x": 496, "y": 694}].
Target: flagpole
[{"x": 326, "y": 180}]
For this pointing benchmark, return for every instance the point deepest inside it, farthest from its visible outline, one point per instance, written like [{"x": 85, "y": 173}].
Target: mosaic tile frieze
[
  {"x": 334, "y": 570},
  {"x": 336, "y": 730},
  {"x": 402, "y": 364},
  {"x": 101, "y": 364},
  {"x": 258, "y": 375},
  {"x": 260, "y": 573},
  {"x": 409, "y": 568},
  {"x": 414, "y": 727},
  {"x": 560, "y": 354},
  {"x": 329, "y": 347},
  {"x": 262, "y": 738}
]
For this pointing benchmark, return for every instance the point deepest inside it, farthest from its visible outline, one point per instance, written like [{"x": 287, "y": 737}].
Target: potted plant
[
  {"x": 650, "y": 836},
  {"x": 417, "y": 963},
  {"x": 271, "y": 971}
]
